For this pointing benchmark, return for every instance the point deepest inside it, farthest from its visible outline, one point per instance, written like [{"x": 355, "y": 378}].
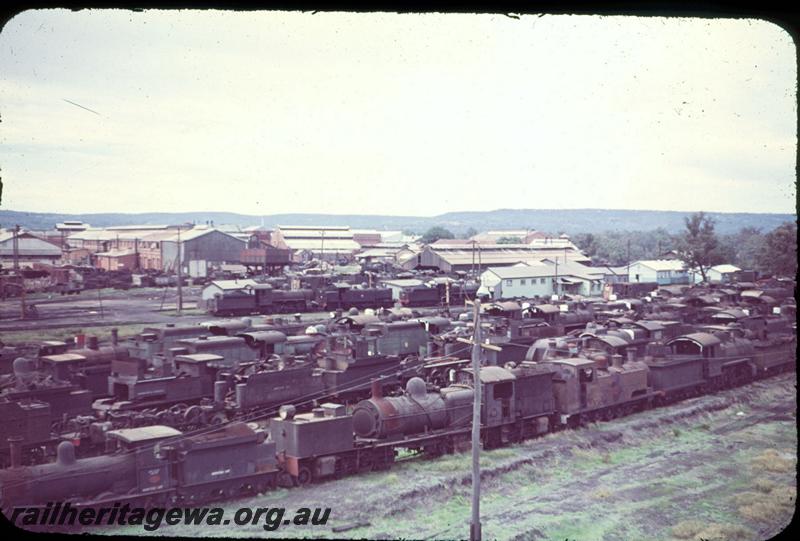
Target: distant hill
[{"x": 568, "y": 221}]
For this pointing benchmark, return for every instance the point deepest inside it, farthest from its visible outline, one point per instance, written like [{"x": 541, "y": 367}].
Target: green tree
[
  {"x": 743, "y": 248},
  {"x": 779, "y": 253},
  {"x": 509, "y": 240},
  {"x": 699, "y": 246},
  {"x": 435, "y": 233},
  {"x": 470, "y": 232},
  {"x": 587, "y": 243}
]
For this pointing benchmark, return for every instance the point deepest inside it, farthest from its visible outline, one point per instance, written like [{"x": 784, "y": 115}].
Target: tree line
[{"x": 773, "y": 252}]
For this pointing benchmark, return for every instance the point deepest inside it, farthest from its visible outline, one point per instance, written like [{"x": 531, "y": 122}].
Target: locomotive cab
[{"x": 497, "y": 397}]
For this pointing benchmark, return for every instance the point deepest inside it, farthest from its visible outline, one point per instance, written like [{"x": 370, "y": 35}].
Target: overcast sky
[{"x": 273, "y": 112}]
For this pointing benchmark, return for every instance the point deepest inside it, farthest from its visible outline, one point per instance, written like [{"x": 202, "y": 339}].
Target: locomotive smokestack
[
  {"x": 616, "y": 361},
  {"x": 93, "y": 342},
  {"x": 377, "y": 389},
  {"x": 80, "y": 341},
  {"x": 220, "y": 390},
  {"x": 15, "y": 450},
  {"x": 631, "y": 354},
  {"x": 65, "y": 453},
  {"x": 114, "y": 337}
]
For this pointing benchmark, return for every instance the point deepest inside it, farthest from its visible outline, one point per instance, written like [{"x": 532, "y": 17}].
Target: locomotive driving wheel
[
  {"x": 303, "y": 476},
  {"x": 365, "y": 463},
  {"x": 218, "y": 418}
]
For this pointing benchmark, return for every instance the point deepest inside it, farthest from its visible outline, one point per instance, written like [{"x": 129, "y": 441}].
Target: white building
[
  {"x": 718, "y": 274},
  {"x": 542, "y": 279},
  {"x": 659, "y": 271},
  {"x": 329, "y": 242},
  {"x": 223, "y": 286}
]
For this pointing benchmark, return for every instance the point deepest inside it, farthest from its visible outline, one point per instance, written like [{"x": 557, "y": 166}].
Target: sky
[{"x": 400, "y": 114}]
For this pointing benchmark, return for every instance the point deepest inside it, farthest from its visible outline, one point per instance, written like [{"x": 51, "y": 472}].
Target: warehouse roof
[{"x": 27, "y": 245}]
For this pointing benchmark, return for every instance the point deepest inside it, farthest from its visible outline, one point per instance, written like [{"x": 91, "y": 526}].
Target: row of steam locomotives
[
  {"x": 277, "y": 297},
  {"x": 157, "y": 418}
]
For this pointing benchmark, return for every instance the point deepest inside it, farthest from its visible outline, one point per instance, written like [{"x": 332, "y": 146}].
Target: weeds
[
  {"x": 770, "y": 506},
  {"x": 772, "y": 461},
  {"x": 711, "y": 531}
]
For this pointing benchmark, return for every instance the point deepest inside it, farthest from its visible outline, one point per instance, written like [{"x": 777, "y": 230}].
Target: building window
[
  {"x": 509, "y": 282},
  {"x": 522, "y": 282},
  {"x": 541, "y": 280}
]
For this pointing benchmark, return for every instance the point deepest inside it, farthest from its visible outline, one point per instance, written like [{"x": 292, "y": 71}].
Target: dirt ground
[
  {"x": 100, "y": 308},
  {"x": 97, "y": 311},
  {"x": 718, "y": 467}
]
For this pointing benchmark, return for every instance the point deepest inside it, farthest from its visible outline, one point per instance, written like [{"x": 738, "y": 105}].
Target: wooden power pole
[
  {"x": 477, "y": 353},
  {"x": 180, "y": 276}
]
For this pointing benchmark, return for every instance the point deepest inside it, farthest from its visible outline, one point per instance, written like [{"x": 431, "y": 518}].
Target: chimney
[
  {"x": 80, "y": 341},
  {"x": 377, "y": 389},
  {"x": 616, "y": 361},
  {"x": 220, "y": 390},
  {"x": 15, "y": 450},
  {"x": 93, "y": 342}
]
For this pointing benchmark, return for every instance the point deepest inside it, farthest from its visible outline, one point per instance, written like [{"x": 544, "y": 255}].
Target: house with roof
[
  {"x": 719, "y": 274},
  {"x": 658, "y": 271},
  {"x": 542, "y": 279},
  {"x": 223, "y": 287}
]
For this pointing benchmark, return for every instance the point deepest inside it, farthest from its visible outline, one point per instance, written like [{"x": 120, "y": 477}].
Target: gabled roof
[
  {"x": 662, "y": 264},
  {"x": 234, "y": 284},
  {"x": 725, "y": 268},
  {"x": 27, "y": 245}
]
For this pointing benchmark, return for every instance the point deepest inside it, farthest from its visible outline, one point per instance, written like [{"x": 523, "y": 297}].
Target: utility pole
[
  {"x": 477, "y": 348},
  {"x": 136, "y": 262},
  {"x": 180, "y": 277},
  {"x": 475, "y": 523},
  {"x": 555, "y": 287},
  {"x": 628, "y": 279},
  {"x": 322, "y": 251},
  {"x": 17, "y": 274},
  {"x": 15, "y": 247},
  {"x": 472, "y": 267}
]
